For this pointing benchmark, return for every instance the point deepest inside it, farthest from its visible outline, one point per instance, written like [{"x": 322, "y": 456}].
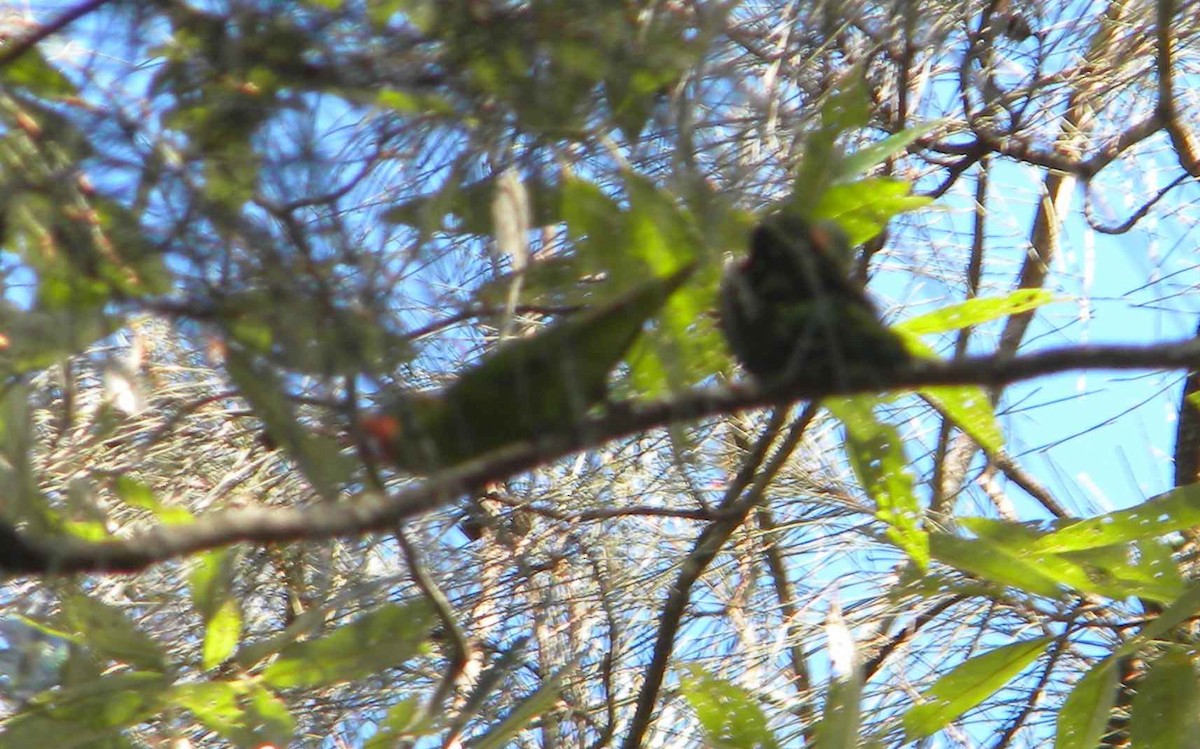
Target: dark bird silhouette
[{"x": 790, "y": 311}]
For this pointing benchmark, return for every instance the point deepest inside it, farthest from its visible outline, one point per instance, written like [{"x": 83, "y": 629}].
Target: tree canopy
[{"x": 364, "y": 381}]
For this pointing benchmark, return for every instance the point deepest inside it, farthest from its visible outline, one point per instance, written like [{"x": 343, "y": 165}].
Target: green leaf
[
  {"x": 993, "y": 563},
  {"x": 845, "y": 109},
  {"x": 399, "y": 723},
  {"x": 730, "y": 717},
  {"x": 39, "y": 338},
  {"x": 107, "y": 631},
  {"x": 968, "y": 685},
  {"x": 210, "y": 580},
  {"x": 1165, "y": 713},
  {"x": 136, "y": 494},
  {"x": 862, "y": 208},
  {"x": 1084, "y": 715},
  {"x": 976, "y": 312},
  {"x": 530, "y": 708},
  {"x": 1180, "y": 610},
  {"x": 410, "y": 102},
  {"x": 1117, "y": 571},
  {"x": 1176, "y": 510},
  {"x": 841, "y": 720},
  {"x": 31, "y": 71},
  {"x": 215, "y": 704},
  {"x": 662, "y": 235},
  {"x": 222, "y": 632},
  {"x": 968, "y": 408},
  {"x": 877, "y": 455},
  {"x": 875, "y": 154},
  {"x": 595, "y": 223},
  {"x": 23, "y": 497},
  {"x": 550, "y": 282},
  {"x": 1142, "y": 570},
  {"x": 270, "y": 717},
  {"x": 471, "y": 206},
  {"x": 86, "y": 714},
  {"x": 372, "y": 643},
  {"x": 241, "y": 712}
]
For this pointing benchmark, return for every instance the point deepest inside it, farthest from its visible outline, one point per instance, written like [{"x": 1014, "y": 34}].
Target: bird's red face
[{"x": 382, "y": 433}]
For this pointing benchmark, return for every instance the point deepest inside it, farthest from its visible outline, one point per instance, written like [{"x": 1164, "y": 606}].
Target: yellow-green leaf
[
  {"x": 372, "y": 643},
  {"x": 222, "y": 632},
  {"x": 1084, "y": 715},
  {"x": 976, "y": 312},
  {"x": 1175, "y": 510},
  {"x": 109, "y": 632},
  {"x": 969, "y": 684},
  {"x": 729, "y": 715},
  {"x": 877, "y": 455},
  {"x": 969, "y": 408},
  {"x": 1165, "y": 713}
]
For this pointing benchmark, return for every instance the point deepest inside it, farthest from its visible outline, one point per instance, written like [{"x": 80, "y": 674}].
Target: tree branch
[
  {"x": 378, "y": 512},
  {"x": 20, "y": 46}
]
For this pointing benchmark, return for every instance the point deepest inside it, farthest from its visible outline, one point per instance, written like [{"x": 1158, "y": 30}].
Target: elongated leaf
[
  {"x": 372, "y": 643},
  {"x": 269, "y": 716},
  {"x": 111, "y": 634},
  {"x": 993, "y": 563},
  {"x": 1180, "y": 610},
  {"x": 210, "y": 585},
  {"x": 877, "y": 455},
  {"x": 213, "y": 598},
  {"x": 471, "y": 206},
  {"x": 533, "y": 706},
  {"x": 525, "y": 389},
  {"x": 846, "y": 108},
  {"x": 215, "y": 703},
  {"x": 80, "y": 715},
  {"x": 31, "y": 71},
  {"x": 318, "y": 458},
  {"x": 222, "y": 632},
  {"x": 875, "y": 154},
  {"x": 210, "y": 580},
  {"x": 976, "y": 312},
  {"x": 969, "y": 408},
  {"x": 968, "y": 685},
  {"x": 1084, "y": 715},
  {"x": 400, "y": 723},
  {"x": 1166, "y": 708},
  {"x": 1175, "y": 510},
  {"x": 136, "y": 494},
  {"x": 863, "y": 207},
  {"x": 1142, "y": 569}
]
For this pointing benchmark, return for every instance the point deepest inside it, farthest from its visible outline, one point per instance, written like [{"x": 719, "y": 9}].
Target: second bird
[{"x": 790, "y": 311}]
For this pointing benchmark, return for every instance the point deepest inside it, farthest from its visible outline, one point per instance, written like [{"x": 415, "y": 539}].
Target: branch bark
[{"x": 377, "y": 512}]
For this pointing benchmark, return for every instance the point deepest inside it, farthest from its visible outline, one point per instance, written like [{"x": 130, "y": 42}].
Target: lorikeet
[
  {"x": 526, "y": 388},
  {"x": 790, "y": 310}
]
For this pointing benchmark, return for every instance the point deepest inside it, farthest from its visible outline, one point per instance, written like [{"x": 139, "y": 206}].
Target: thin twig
[{"x": 19, "y": 47}]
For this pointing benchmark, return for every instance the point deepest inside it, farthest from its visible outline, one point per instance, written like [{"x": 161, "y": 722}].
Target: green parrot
[
  {"x": 526, "y": 388},
  {"x": 790, "y": 311}
]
